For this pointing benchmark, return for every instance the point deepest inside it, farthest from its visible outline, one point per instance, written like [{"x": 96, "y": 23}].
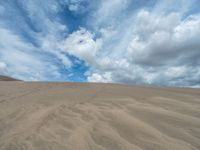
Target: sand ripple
[{"x": 98, "y": 117}]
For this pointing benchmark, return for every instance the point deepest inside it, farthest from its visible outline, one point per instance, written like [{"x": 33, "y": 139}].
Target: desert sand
[
  {"x": 94, "y": 116},
  {"x": 6, "y": 78}
]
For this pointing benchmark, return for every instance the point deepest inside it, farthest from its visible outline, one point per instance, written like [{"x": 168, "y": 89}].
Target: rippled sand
[{"x": 72, "y": 116}]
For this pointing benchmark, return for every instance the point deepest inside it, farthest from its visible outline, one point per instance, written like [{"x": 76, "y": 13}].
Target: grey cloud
[
  {"x": 160, "y": 46},
  {"x": 126, "y": 41}
]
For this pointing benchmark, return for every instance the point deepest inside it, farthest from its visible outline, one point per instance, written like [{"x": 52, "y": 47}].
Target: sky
[{"x": 154, "y": 42}]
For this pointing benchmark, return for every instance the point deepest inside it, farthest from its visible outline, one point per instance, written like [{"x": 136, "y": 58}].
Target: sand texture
[{"x": 74, "y": 116}]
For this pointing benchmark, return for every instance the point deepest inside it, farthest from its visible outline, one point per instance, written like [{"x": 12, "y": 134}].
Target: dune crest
[
  {"x": 73, "y": 116},
  {"x": 6, "y": 78}
]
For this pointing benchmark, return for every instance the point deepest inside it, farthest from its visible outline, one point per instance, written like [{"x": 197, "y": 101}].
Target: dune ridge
[
  {"x": 6, "y": 78},
  {"x": 75, "y": 116}
]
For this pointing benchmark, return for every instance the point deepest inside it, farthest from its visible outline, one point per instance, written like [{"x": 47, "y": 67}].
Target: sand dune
[
  {"x": 6, "y": 78},
  {"x": 73, "y": 116}
]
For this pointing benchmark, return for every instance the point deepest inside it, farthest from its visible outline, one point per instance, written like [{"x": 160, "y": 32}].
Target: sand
[
  {"x": 6, "y": 78},
  {"x": 75, "y": 116}
]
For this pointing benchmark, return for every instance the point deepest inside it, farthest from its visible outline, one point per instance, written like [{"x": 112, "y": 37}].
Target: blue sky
[{"x": 119, "y": 41}]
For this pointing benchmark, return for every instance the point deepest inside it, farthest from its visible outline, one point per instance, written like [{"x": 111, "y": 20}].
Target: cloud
[
  {"x": 3, "y": 67},
  {"x": 123, "y": 41},
  {"x": 154, "y": 46},
  {"x": 29, "y": 33},
  {"x": 109, "y": 12},
  {"x": 95, "y": 77},
  {"x": 77, "y": 6},
  {"x": 82, "y": 45},
  {"x": 167, "y": 43},
  {"x": 19, "y": 59}
]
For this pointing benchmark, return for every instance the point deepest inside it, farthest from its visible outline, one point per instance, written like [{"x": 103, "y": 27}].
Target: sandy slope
[
  {"x": 72, "y": 116},
  {"x": 6, "y": 78}
]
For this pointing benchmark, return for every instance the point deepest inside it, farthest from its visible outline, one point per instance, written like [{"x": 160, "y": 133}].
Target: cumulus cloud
[
  {"x": 123, "y": 41},
  {"x": 167, "y": 43},
  {"x": 156, "y": 46},
  {"x": 95, "y": 77},
  {"x": 81, "y": 44}
]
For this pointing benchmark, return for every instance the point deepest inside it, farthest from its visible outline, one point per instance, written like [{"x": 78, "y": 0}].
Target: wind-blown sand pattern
[{"x": 74, "y": 116}]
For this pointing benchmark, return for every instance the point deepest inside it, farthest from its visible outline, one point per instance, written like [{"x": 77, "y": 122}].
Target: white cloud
[
  {"x": 154, "y": 47},
  {"x": 29, "y": 47},
  {"x": 129, "y": 41},
  {"x": 95, "y": 77},
  {"x": 20, "y": 57},
  {"x": 3, "y": 67},
  {"x": 165, "y": 43},
  {"x": 51, "y": 45},
  {"x": 149, "y": 47},
  {"x": 82, "y": 44},
  {"x": 109, "y": 11}
]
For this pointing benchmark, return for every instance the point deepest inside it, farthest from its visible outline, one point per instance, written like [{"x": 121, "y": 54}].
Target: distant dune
[
  {"x": 75, "y": 116},
  {"x": 6, "y": 78}
]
